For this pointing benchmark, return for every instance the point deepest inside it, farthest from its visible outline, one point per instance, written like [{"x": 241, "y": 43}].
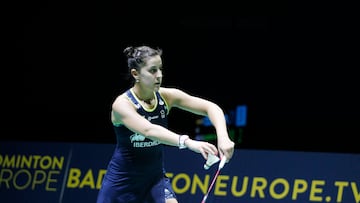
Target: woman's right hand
[{"x": 202, "y": 147}]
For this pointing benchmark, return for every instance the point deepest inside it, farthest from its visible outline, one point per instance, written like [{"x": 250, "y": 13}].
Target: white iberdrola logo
[
  {"x": 138, "y": 141},
  {"x": 136, "y": 137}
]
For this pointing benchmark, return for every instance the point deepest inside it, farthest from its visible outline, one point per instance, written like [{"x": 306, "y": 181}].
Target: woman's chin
[{"x": 156, "y": 87}]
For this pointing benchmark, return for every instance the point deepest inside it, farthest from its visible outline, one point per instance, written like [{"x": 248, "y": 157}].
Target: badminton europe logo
[{"x": 30, "y": 172}]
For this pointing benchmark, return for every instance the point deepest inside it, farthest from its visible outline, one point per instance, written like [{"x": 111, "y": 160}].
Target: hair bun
[{"x": 129, "y": 52}]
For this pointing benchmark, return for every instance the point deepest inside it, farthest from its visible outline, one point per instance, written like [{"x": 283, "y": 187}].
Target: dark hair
[{"x": 136, "y": 56}]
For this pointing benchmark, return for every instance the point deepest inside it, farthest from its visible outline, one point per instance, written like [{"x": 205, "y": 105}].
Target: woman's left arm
[{"x": 180, "y": 99}]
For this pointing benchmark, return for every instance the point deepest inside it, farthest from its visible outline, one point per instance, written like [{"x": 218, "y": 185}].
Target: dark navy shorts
[
  {"x": 136, "y": 192},
  {"x": 169, "y": 192}
]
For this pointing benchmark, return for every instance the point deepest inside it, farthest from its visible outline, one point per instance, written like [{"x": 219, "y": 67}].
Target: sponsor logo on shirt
[{"x": 138, "y": 141}]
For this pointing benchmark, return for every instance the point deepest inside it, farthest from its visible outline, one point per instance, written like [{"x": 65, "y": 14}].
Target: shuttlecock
[{"x": 212, "y": 159}]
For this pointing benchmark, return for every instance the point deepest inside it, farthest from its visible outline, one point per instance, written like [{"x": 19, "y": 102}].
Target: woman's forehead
[{"x": 154, "y": 61}]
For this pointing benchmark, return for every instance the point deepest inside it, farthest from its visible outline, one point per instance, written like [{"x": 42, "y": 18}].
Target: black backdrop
[{"x": 290, "y": 69}]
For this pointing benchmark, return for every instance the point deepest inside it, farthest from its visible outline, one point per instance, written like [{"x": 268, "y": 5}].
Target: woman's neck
[{"x": 142, "y": 95}]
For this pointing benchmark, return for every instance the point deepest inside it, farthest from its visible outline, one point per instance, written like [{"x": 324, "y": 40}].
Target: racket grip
[{"x": 222, "y": 162}]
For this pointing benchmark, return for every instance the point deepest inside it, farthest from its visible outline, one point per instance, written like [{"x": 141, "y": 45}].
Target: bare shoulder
[
  {"x": 120, "y": 101},
  {"x": 169, "y": 92},
  {"x": 172, "y": 95},
  {"x": 121, "y": 107},
  {"x": 120, "y": 98}
]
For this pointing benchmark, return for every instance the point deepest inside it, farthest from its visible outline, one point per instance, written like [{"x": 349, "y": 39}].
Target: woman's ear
[{"x": 135, "y": 74}]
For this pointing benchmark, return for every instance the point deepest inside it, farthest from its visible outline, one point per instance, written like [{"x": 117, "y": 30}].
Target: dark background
[{"x": 293, "y": 68}]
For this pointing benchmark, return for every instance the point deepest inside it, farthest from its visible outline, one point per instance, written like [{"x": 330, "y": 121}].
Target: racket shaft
[{"x": 211, "y": 185}]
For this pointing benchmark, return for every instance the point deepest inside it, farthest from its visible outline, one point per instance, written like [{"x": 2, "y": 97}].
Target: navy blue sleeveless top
[
  {"x": 133, "y": 151},
  {"x": 135, "y": 173}
]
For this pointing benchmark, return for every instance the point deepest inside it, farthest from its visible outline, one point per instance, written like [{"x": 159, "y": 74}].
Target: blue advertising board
[{"x": 72, "y": 172}]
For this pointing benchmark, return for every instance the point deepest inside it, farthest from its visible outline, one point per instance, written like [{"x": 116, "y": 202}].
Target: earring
[{"x": 137, "y": 80}]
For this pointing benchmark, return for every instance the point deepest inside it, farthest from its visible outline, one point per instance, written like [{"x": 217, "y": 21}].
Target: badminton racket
[{"x": 221, "y": 165}]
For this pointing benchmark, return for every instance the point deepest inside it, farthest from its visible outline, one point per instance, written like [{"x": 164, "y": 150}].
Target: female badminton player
[{"x": 135, "y": 173}]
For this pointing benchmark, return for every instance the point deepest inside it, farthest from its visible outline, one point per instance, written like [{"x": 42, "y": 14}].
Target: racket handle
[{"x": 222, "y": 162}]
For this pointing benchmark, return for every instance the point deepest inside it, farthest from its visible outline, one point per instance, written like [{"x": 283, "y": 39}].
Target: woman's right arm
[{"x": 123, "y": 111}]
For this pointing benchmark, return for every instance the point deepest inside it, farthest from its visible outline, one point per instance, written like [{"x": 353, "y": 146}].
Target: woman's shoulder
[
  {"x": 171, "y": 91},
  {"x": 172, "y": 94},
  {"x": 168, "y": 90},
  {"x": 121, "y": 98}
]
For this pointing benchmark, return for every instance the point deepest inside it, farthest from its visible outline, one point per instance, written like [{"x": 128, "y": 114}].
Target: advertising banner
[{"x": 44, "y": 172}]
